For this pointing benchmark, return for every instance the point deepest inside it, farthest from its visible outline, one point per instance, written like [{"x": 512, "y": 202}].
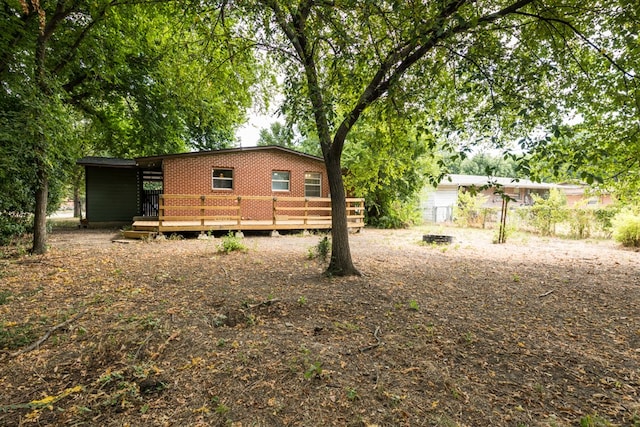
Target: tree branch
[
  {"x": 583, "y": 37},
  {"x": 410, "y": 54}
]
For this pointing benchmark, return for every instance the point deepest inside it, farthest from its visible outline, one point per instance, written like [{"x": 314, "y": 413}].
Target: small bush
[
  {"x": 321, "y": 250},
  {"x": 626, "y": 228},
  {"x": 469, "y": 211},
  {"x": 581, "y": 221},
  {"x": 231, "y": 243},
  {"x": 12, "y": 226},
  {"x": 604, "y": 217},
  {"x": 546, "y": 213},
  {"x": 396, "y": 215}
]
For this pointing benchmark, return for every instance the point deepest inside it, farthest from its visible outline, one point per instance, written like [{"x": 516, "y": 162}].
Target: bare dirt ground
[{"x": 536, "y": 332}]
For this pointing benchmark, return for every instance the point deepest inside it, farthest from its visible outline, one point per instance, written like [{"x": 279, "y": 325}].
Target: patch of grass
[
  {"x": 594, "y": 421},
  {"x": 313, "y": 371},
  {"x": 14, "y": 336},
  {"x": 302, "y": 301},
  {"x": 352, "y": 394},
  {"x": 5, "y": 297},
  {"x": 147, "y": 322},
  {"x": 413, "y": 305},
  {"x": 346, "y": 326}
]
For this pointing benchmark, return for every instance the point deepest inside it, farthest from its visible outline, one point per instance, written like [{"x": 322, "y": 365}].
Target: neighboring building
[
  {"x": 239, "y": 183},
  {"x": 437, "y": 203}
]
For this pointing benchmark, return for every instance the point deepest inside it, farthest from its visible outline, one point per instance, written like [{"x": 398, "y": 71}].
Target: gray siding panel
[{"x": 112, "y": 194}]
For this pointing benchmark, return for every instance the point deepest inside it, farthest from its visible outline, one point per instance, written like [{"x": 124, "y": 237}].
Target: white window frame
[
  {"x": 275, "y": 180},
  {"x": 316, "y": 176},
  {"x": 221, "y": 179}
]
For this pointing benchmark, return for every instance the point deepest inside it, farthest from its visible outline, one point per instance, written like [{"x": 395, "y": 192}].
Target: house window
[
  {"x": 280, "y": 181},
  {"x": 312, "y": 181},
  {"x": 222, "y": 179}
]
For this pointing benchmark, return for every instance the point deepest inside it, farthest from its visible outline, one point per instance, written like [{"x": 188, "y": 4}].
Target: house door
[
  {"x": 152, "y": 188},
  {"x": 150, "y": 201}
]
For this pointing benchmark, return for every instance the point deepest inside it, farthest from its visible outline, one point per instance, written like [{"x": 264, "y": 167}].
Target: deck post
[
  {"x": 202, "y": 199},
  {"x": 275, "y": 199},
  {"x": 306, "y": 210},
  {"x": 239, "y": 210},
  {"x": 160, "y": 211}
]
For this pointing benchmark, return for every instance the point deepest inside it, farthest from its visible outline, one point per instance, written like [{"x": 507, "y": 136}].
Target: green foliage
[
  {"x": 546, "y": 213},
  {"x": 321, "y": 250},
  {"x": 387, "y": 163},
  {"x": 594, "y": 421},
  {"x": 122, "y": 80},
  {"x": 484, "y": 164},
  {"x": 313, "y": 371},
  {"x": 604, "y": 217},
  {"x": 15, "y": 336},
  {"x": 352, "y": 394},
  {"x": 581, "y": 222},
  {"x": 450, "y": 61},
  {"x": 231, "y": 243},
  {"x": 12, "y": 225},
  {"x": 469, "y": 212},
  {"x": 626, "y": 228},
  {"x": 277, "y": 134},
  {"x": 5, "y": 296}
]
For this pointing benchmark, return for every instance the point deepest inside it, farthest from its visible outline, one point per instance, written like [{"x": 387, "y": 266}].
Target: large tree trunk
[
  {"x": 40, "y": 217},
  {"x": 341, "y": 263}
]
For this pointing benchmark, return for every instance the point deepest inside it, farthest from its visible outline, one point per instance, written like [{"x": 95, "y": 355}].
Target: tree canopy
[
  {"x": 108, "y": 78},
  {"x": 488, "y": 72}
]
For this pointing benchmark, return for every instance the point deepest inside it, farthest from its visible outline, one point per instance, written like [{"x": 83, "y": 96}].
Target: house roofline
[
  {"x": 153, "y": 159},
  {"x": 111, "y": 162}
]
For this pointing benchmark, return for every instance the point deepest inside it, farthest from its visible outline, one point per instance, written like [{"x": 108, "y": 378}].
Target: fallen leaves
[{"x": 479, "y": 345}]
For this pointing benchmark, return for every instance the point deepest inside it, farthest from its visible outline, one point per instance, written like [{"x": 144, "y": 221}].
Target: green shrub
[
  {"x": 321, "y": 250},
  {"x": 604, "y": 217},
  {"x": 469, "y": 211},
  {"x": 396, "y": 215},
  {"x": 231, "y": 243},
  {"x": 626, "y": 228},
  {"x": 547, "y": 212},
  {"x": 12, "y": 226},
  {"x": 581, "y": 221}
]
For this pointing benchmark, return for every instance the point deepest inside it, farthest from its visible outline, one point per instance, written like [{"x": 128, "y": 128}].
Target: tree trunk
[
  {"x": 40, "y": 217},
  {"x": 77, "y": 206},
  {"x": 341, "y": 263}
]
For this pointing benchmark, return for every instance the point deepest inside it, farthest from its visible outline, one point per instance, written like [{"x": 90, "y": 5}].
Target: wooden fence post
[
  {"x": 275, "y": 199},
  {"x": 202, "y": 199}
]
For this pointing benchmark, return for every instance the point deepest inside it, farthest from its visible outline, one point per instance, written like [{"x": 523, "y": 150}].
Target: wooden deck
[{"x": 182, "y": 213}]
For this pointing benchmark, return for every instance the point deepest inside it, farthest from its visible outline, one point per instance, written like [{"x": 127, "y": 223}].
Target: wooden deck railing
[{"x": 203, "y": 211}]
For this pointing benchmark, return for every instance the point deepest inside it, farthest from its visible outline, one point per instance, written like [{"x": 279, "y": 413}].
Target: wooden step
[{"x": 138, "y": 234}]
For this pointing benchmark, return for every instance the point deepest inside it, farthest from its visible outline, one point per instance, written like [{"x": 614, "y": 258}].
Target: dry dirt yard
[{"x": 536, "y": 332}]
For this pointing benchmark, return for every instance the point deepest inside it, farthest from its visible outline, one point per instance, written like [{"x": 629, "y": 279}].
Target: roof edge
[
  {"x": 229, "y": 150},
  {"x": 113, "y": 162}
]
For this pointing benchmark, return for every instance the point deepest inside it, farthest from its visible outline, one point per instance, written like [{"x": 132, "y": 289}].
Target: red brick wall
[{"x": 251, "y": 177}]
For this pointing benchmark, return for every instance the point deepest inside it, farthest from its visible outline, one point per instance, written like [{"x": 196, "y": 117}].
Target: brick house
[
  {"x": 237, "y": 183},
  {"x": 250, "y": 171}
]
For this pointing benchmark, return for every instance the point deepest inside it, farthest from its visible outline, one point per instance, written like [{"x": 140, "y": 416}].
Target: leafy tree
[
  {"x": 487, "y": 71},
  {"x": 277, "y": 134},
  {"x": 95, "y": 78},
  {"x": 599, "y": 145},
  {"x": 387, "y": 162},
  {"x": 485, "y": 164}
]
